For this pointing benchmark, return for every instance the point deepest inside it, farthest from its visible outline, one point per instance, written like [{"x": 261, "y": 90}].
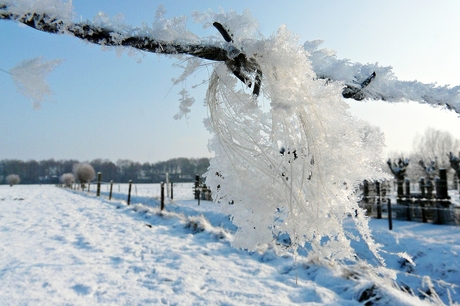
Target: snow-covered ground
[{"x": 62, "y": 247}]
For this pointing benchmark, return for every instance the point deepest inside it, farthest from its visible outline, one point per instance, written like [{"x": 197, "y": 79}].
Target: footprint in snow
[{"x": 81, "y": 289}]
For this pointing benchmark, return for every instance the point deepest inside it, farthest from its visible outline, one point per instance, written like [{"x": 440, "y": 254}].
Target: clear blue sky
[{"x": 105, "y": 106}]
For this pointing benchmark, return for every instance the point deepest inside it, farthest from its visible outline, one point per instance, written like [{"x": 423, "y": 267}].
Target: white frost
[
  {"x": 385, "y": 86},
  {"x": 307, "y": 187},
  {"x": 29, "y": 77},
  {"x": 62, "y": 10}
]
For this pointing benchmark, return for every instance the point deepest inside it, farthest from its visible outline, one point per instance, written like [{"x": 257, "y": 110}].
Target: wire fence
[{"x": 418, "y": 202}]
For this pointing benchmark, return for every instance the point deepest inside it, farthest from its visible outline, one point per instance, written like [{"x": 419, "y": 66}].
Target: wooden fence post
[
  {"x": 172, "y": 194},
  {"x": 111, "y": 186},
  {"x": 407, "y": 185},
  {"x": 424, "y": 218},
  {"x": 88, "y": 185},
  {"x": 400, "y": 191},
  {"x": 129, "y": 192},
  {"x": 197, "y": 188},
  {"x": 409, "y": 211},
  {"x": 443, "y": 194},
  {"x": 379, "y": 204},
  {"x": 422, "y": 187},
  {"x": 162, "y": 204},
  {"x": 167, "y": 184},
  {"x": 390, "y": 215},
  {"x": 99, "y": 178},
  {"x": 365, "y": 191}
]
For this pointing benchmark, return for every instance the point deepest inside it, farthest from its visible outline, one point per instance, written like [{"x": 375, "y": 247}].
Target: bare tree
[
  {"x": 84, "y": 173},
  {"x": 434, "y": 146},
  {"x": 399, "y": 171},
  {"x": 67, "y": 179},
  {"x": 13, "y": 179}
]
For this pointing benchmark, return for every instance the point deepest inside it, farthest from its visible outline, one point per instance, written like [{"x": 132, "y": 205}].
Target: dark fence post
[
  {"x": 424, "y": 218},
  {"x": 390, "y": 216},
  {"x": 407, "y": 182},
  {"x": 443, "y": 184},
  {"x": 455, "y": 182},
  {"x": 400, "y": 190},
  {"x": 379, "y": 205},
  {"x": 409, "y": 211},
  {"x": 167, "y": 184},
  {"x": 111, "y": 186},
  {"x": 99, "y": 178},
  {"x": 197, "y": 188},
  {"x": 172, "y": 194},
  {"x": 366, "y": 192},
  {"x": 129, "y": 192},
  {"x": 422, "y": 187},
  {"x": 162, "y": 205}
]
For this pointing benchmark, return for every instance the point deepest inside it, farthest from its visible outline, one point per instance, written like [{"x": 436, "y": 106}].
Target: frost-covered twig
[
  {"x": 384, "y": 86},
  {"x": 29, "y": 77},
  {"x": 360, "y": 81},
  {"x": 236, "y": 60}
]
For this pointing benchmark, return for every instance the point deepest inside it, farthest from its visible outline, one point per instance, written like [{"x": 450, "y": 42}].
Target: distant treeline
[{"x": 49, "y": 171}]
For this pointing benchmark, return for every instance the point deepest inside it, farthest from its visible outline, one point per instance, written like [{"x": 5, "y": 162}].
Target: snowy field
[{"x": 62, "y": 247}]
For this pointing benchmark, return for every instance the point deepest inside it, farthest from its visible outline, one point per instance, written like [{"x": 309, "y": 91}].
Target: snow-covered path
[{"x": 59, "y": 247}]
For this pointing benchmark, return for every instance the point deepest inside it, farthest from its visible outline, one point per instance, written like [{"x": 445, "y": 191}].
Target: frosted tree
[
  {"x": 84, "y": 173},
  {"x": 13, "y": 179},
  {"x": 291, "y": 169},
  {"x": 67, "y": 179},
  {"x": 429, "y": 169},
  {"x": 398, "y": 169},
  {"x": 433, "y": 146}
]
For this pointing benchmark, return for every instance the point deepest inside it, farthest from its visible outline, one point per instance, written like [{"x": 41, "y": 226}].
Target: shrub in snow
[
  {"x": 67, "y": 179},
  {"x": 84, "y": 173},
  {"x": 13, "y": 179}
]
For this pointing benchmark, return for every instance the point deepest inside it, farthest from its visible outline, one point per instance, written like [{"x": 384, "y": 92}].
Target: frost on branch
[
  {"x": 385, "y": 86},
  {"x": 185, "y": 103},
  {"x": 59, "y": 9},
  {"x": 29, "y": 77}
]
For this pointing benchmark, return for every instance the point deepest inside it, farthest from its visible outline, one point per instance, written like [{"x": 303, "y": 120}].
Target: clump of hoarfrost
[
  {"x": 385, "y": 86},
  {"x": 173, "y": 29},
  {"x": 29, "y": 77},
  {"x": 241, "y": 27},
  {"x": 62, "y": 10},
  {"x": 295, "y": 168},
  {"x": 185, "y": 103}
]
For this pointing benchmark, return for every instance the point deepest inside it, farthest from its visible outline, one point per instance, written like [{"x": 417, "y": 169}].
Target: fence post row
[{"x": 431, "y": 203}]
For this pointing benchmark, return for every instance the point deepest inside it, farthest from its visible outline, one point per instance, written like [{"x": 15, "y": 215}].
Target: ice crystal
[{"x": 29, "y": 77}]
